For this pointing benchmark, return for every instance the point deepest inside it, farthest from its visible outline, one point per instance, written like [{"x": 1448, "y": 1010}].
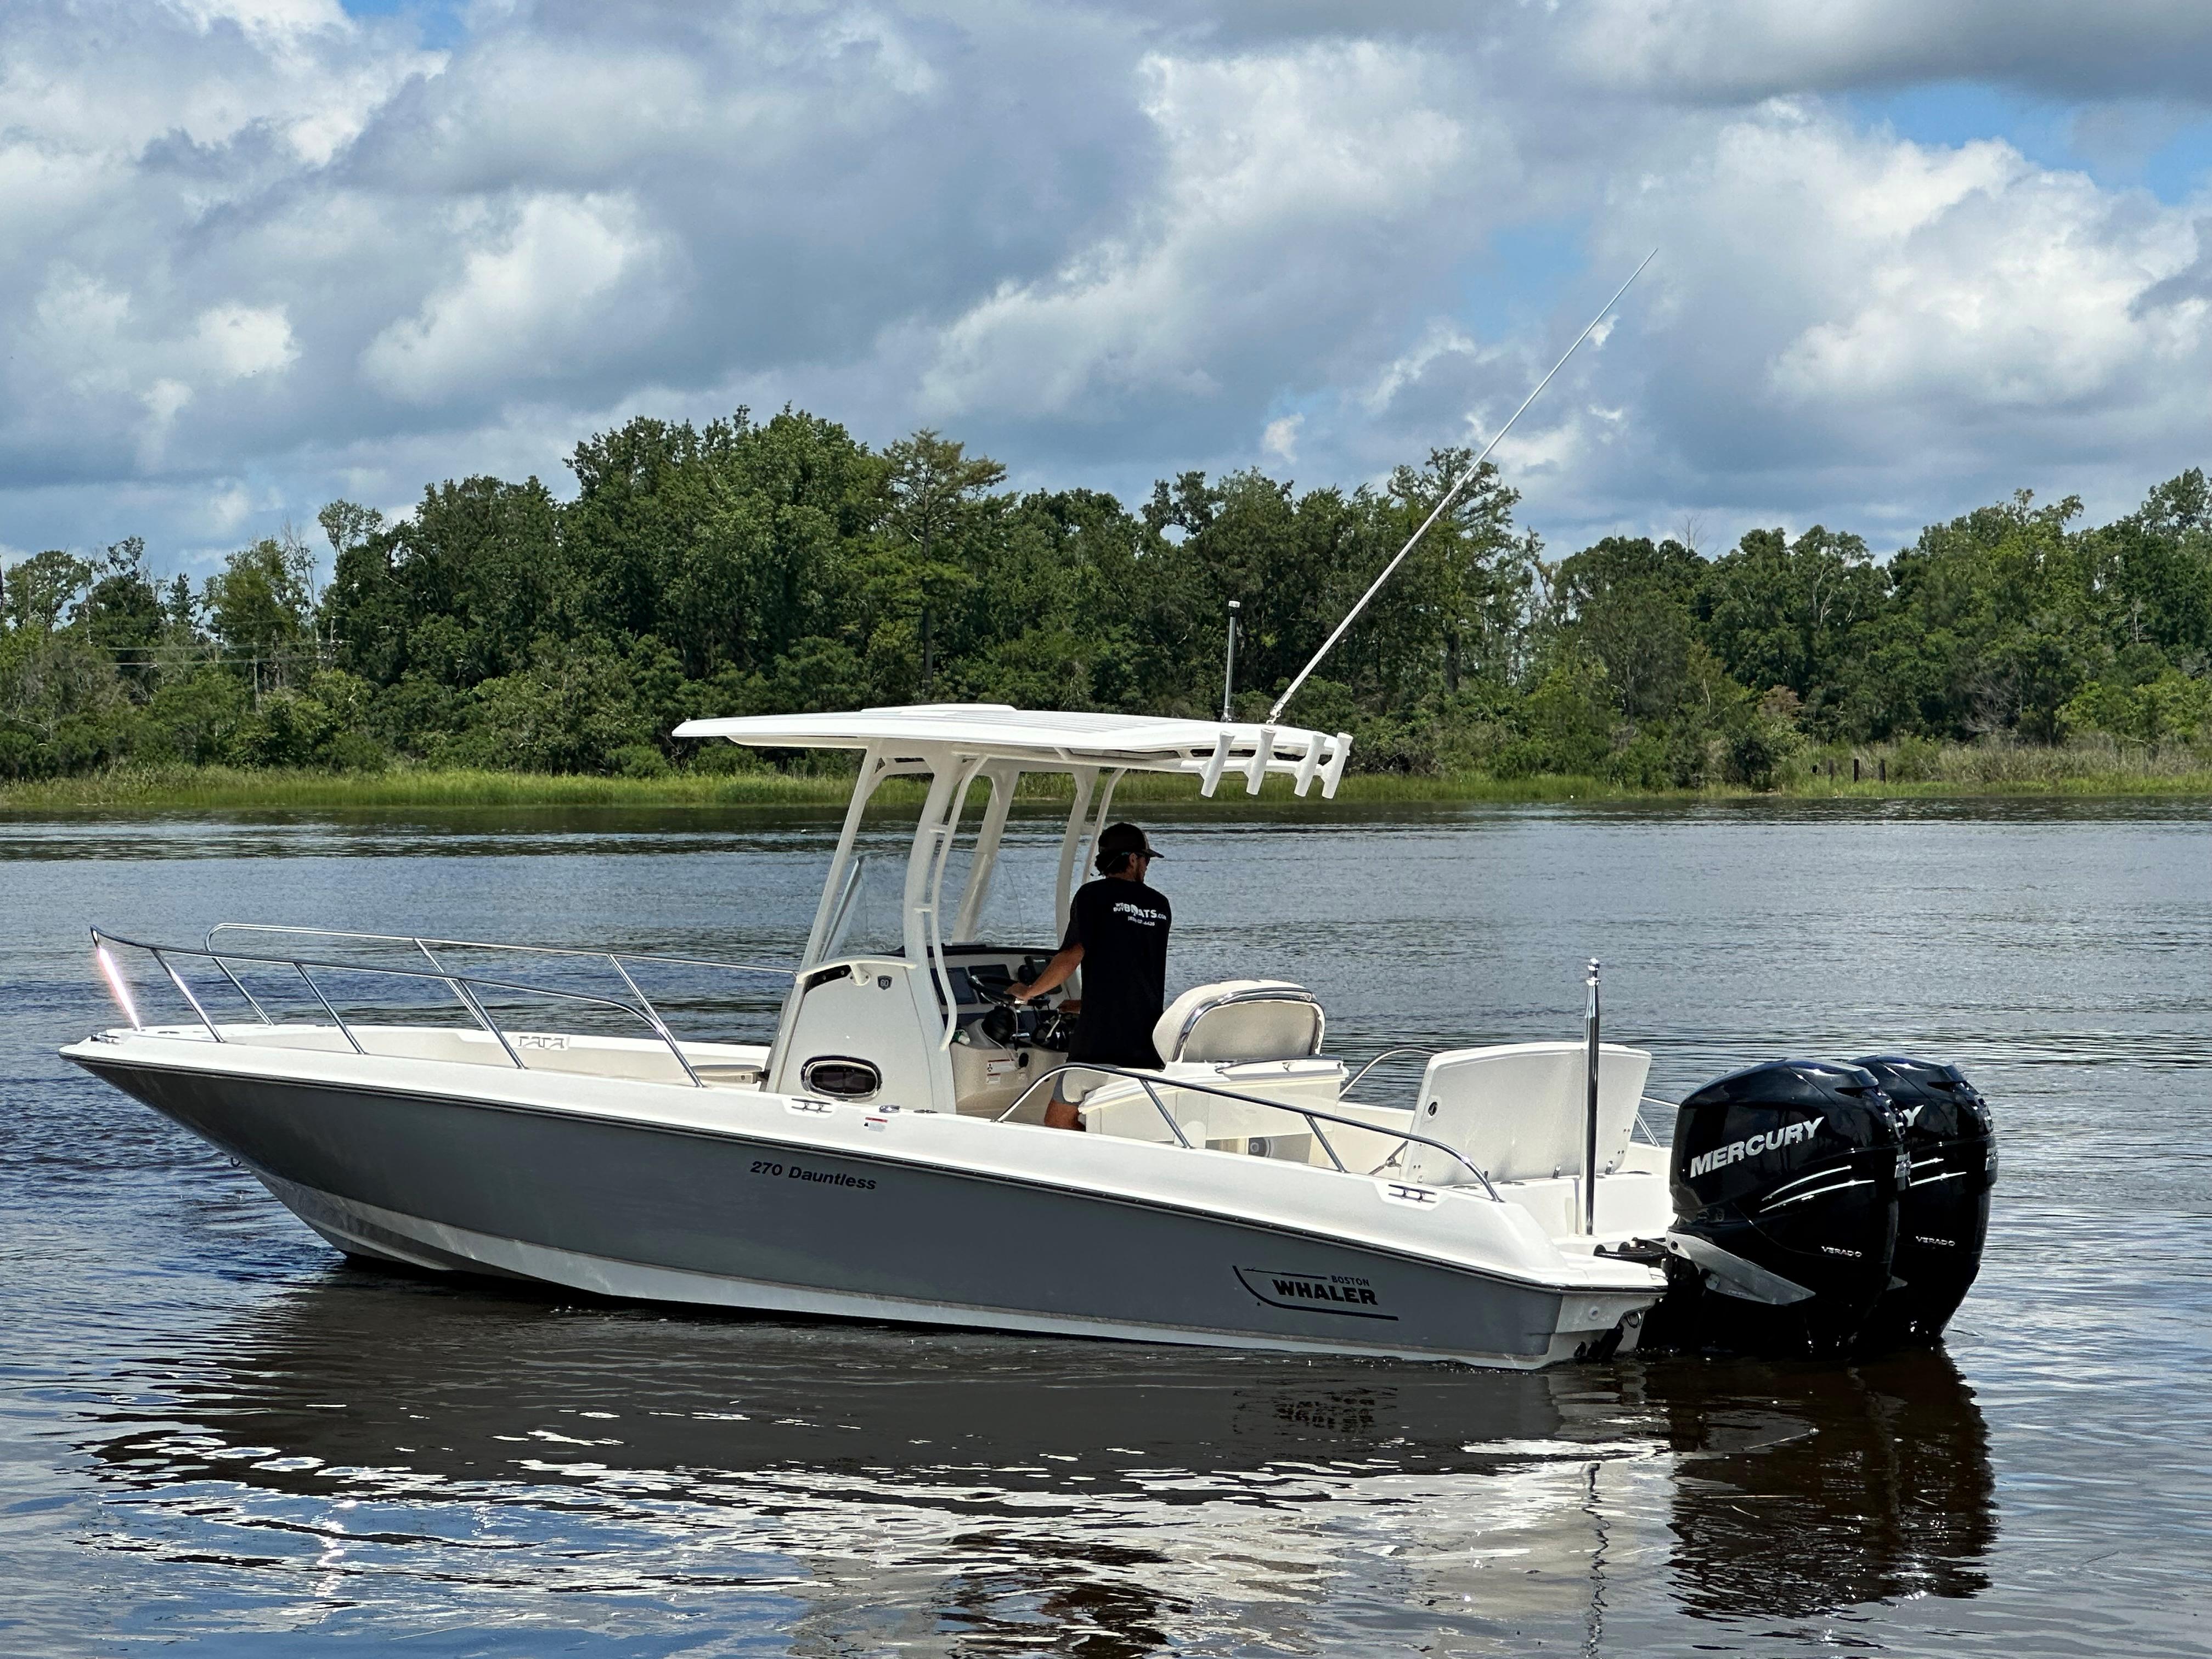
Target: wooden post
[{"x": 1855, "y": 768}]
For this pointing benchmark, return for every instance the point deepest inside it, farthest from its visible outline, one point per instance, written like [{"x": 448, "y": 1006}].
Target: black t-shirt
[{"x": 1123, "y": 926}]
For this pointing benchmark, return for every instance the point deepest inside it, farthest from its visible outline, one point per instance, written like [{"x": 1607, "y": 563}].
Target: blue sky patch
[{"x": 2130, "y": 144}]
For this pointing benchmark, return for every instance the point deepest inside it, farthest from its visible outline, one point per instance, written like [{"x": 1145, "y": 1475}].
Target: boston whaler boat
[{"x": 884, "y": 1156}]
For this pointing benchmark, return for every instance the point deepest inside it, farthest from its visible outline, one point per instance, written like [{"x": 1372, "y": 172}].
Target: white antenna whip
[{"x": 1451, "y": 496}]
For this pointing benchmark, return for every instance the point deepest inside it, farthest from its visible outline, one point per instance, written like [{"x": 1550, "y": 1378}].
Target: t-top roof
[{"x": 1056, "y": 740}]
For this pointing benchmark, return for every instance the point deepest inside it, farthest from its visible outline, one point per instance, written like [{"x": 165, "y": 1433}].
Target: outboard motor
[
  {"x": 1943, "y": 1216},
  {"x": 1785, "y": 1181}
]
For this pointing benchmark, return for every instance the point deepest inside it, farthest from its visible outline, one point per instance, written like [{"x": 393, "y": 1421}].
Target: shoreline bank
[{"x": 224, "y": 788}]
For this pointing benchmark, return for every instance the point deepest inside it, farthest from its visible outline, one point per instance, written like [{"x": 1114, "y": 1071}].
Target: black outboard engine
[
  {"x": 1943, "y": 1216},
  {"x": 1785, "y": 1181}
]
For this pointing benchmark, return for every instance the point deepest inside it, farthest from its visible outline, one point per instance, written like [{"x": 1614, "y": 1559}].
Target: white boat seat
[
  {"x": 1240, "y": 1019},
  {"x": 1516, "y": 1110},
  {"x": 1124, "y": 1107}
]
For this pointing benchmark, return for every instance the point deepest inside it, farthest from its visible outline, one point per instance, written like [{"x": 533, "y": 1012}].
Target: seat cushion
[
  {"x": 1122, "y": 1107},
  {"x": 1517, "y": 1111},
  {"x": 1240, "y": 1019}
]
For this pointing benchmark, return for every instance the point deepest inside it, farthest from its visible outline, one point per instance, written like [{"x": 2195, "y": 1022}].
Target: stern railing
[{"x": 1152, "y": 1082}]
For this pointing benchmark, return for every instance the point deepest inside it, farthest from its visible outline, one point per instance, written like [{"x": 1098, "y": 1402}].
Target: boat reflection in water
[
  {"x": 1844, "y": 1485},
  {"x": 850, "y": 1485}
]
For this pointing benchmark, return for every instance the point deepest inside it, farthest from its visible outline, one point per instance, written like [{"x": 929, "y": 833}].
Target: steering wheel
[{"x": 1009, "y": 1024}]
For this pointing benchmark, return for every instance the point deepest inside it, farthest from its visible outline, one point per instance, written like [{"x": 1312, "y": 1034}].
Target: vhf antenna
[
  {"x": 1229, "y": 669},
  {"x": 1451, "y": 496}
]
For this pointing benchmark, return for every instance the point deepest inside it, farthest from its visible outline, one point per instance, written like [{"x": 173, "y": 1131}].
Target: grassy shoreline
[{"x": 217, "y": 789}]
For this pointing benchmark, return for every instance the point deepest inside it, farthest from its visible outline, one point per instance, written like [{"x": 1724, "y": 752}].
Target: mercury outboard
[
  {"x": 1943, "y": 1214},
  {"x": 1796, "y": 1227}
]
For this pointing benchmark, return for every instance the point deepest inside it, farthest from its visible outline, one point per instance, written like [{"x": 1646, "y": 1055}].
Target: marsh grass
[
  {"x": 1914, "y": 769},
  {"x": 2095, "y": 765}
]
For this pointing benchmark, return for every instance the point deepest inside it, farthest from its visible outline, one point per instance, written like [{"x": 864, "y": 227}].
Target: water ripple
[{"x": 212, "y": 1430}]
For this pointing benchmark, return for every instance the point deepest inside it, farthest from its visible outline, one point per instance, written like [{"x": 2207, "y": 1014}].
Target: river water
[{"x": 214, "y": 1430}]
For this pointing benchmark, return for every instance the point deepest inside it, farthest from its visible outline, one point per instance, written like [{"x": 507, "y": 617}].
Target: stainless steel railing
[
  {"x": 423, "y": 943},
  {"x": 464, "y": 987},
  {"x": 1387, "y": 1054},
  {"x": 614, "y": 959},
  {"x": 1637, "y": 1126},
  {"x": 1150, "y": 1083}
]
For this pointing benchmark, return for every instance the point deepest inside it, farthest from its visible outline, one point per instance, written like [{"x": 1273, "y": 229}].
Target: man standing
[{"x": 1117, "y": 932}]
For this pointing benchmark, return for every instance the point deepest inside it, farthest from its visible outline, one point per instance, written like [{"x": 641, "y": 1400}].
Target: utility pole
[{"x": 1229, "y": 673}]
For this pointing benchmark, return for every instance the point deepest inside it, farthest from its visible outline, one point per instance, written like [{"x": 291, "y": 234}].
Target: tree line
[{"x": 777, "y": 566}]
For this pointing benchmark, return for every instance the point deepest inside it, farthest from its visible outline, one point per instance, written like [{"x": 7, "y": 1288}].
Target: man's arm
[{"x": 1054, "y": 976}]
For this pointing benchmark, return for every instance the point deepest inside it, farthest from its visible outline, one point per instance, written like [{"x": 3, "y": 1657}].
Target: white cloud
[
  {"x": 229, "y": 508},
  {"x": 1835, "y": 300},
  {"x": 264, "y": 17},
  {"x": 1271, "y": 161},
  {"x": 164, "y": 400},
  {"x": 258, "y": 252},
  {"x": 1842, "y": 326},
  {"x": 1444, "y": 339},
  {"x": 76, "y": 330},
  {"x": 100, "y": 80},
  {"x": 523, "y": 303},
  {"x": 241, "y": 341}
]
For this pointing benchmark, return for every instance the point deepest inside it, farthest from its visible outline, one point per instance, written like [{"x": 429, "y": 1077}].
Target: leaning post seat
[
  {"x": 1261, "y": 1036},
  {"x": 1516, "y": 1110},
  {"x": 1238, "y": 1019}
]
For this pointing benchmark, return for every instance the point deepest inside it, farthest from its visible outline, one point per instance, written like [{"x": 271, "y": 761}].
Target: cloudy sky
[{"x": 1913, "y": 254}]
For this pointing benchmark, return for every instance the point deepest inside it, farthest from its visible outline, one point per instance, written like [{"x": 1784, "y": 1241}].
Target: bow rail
[{"x": 465, "y": 987}]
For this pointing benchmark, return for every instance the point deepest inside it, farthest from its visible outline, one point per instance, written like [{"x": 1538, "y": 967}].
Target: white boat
[{"x": 882, "y": 1157}]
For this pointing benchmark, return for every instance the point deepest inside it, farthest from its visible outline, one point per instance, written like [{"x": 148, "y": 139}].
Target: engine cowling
[
  {"x": 1785, "y": 1178},
  {"x": 1943, "y": 1215}
]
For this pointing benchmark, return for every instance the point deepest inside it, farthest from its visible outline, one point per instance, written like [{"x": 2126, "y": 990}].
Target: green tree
[
  {"x": 127, "y": 617},
  {"x": 1628, "y": 602},
  {"x": 197, "y": 718},
  {"x": 261, "y": 606},
  {"x": 1994, "y": 628},
  {"x": 461, "y": 591},
  {"x": 730, "y": 543},
  {"x": 2150, "y": 574},
  {"x": 937, "y": 539},
  {"x": 40, "y": 588},
  {"x": 570, "y": 710},
  {"x": 1781, "y": 612},
  {"x": 749, "y": 567}
]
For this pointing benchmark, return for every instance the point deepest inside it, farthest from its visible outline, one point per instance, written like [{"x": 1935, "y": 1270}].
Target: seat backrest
[
  {"x": 1516, "y": 1111},
  {"x": 1240, "y": 1019}
]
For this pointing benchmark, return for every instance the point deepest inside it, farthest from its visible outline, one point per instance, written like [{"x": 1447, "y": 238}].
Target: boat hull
[{"x": 621, "y": 1208}]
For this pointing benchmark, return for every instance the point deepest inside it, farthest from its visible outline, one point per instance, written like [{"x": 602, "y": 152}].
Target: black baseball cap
[{"x": 1118, "y": 839}]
